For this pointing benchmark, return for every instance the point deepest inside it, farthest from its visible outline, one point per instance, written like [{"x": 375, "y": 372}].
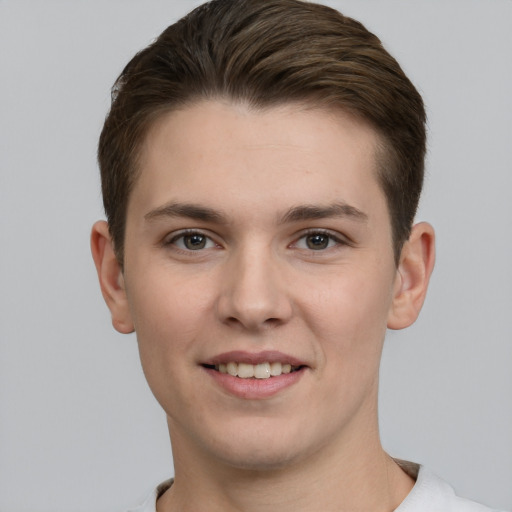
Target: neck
[{"x": 358, "y": 476}]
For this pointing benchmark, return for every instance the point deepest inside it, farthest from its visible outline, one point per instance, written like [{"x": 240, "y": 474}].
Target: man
[{"x": 261, "y": 168}]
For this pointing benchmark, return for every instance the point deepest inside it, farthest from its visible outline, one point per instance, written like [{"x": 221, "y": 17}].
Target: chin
[
  {"x": 268, "y": 449},
  {"x": 259, "y": 460}
]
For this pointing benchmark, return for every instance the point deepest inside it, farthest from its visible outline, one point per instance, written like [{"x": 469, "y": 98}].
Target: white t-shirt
[{"x": 429, "y": 494}]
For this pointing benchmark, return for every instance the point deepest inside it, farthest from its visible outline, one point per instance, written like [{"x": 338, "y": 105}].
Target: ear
[
  {"x": 412, "y": 277},
  {"x": 111, "y": 277}
]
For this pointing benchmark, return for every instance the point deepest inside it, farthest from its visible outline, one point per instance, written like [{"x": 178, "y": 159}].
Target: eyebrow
[
  {"x": 312, "y": 212},
  {"x": 191, "y": 211},
  {"x": 295, "y": 214}
]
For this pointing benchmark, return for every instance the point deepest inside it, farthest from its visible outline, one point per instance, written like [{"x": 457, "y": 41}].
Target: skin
[{"x": 260, "y": 283}]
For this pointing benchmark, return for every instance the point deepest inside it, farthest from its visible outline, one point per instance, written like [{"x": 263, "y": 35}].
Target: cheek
[
  {"x": 169, "y": 316},
  {"x": 168, "y": 306},
  {"x": 347, "y": 320},
  {"x": 350, "y": 315}
]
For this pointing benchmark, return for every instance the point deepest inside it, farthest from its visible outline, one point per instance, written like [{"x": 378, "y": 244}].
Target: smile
[
  {"x": 257, "y": 371},
  {"x": 255, "y": 376}
]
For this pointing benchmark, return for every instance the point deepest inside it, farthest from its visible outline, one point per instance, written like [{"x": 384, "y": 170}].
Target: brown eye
[
  {"x": 195, "y": 242},
  {"x": 192, "y": 241},
  {"x": 317, "y": 241}
]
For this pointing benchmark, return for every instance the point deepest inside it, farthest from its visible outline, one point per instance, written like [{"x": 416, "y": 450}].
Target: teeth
[
  {"x": 262, "y": 371},
  {"x": 276, "y": 369},
  {"x": 245, "y": 371},
  {"x": 232, "y": 369},
  {"x": 258, "y": 371}
]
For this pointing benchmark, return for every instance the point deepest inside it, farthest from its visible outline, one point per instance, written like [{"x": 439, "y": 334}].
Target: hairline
[{"x": 382, "y": 147}]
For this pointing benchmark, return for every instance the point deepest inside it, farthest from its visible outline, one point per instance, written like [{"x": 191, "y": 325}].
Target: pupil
[
  {"x": 195, "y": 242},
  {"x": 316, "y": 242}
]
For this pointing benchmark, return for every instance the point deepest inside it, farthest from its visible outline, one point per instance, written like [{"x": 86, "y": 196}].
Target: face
[{"x": 259, "y": 243}]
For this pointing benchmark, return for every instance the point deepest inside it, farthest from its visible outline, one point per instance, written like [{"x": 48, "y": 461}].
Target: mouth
[
  {"x": 265, "y": 370},
  {"x": 255, "y": 376}
]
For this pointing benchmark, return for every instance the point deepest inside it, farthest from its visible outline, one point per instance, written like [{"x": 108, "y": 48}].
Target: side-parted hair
[{"x": 266, "y": 53}]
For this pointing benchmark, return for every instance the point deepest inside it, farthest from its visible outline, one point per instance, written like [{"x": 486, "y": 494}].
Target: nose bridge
[{"x": 252, "y": 293}]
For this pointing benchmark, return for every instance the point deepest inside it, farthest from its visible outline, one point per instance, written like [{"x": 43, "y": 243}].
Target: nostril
[
  {"x": 248, "y": 324},
  {"x": 272, "y": 322}
]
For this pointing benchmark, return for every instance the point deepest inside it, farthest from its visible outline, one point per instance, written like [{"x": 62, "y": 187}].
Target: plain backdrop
[{"x": 79, "y": 429}]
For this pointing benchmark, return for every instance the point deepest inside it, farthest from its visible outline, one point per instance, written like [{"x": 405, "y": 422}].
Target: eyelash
[
  {"x": 338, "y": 241},
  {"x": 189, "y": 233}
]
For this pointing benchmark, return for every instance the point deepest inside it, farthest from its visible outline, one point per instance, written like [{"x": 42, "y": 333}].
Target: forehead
[{"x": 223, "y": 152}]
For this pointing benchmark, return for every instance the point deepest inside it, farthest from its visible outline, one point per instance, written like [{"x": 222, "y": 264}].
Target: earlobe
[
  {"x": 413, "y": 275},
  {"x": 110, "y": 277}
]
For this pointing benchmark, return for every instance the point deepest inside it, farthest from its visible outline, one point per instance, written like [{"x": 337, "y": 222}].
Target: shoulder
[{"x": 432, "y": 494}]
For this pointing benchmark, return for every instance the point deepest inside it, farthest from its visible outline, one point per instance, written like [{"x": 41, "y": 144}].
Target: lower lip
[{"x": 255, "y": 389}]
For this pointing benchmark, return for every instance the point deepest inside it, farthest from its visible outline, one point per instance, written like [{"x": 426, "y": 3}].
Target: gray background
[{"x": 79, "y": 430}]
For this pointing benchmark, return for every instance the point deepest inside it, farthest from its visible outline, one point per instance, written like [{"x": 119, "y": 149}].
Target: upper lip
[{"x": 242, "y": 356}]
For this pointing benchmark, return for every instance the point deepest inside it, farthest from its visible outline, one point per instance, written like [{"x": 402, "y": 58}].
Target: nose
[{"x": 254, "y": 294}]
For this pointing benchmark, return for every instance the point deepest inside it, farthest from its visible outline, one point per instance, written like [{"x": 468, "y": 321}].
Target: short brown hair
[{"x": 265, "y": 53}]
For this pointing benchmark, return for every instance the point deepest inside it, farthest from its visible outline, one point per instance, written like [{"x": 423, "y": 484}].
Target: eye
[
  {"x": 192, "y": 241},
  {"x": 318, "y": 241}
]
